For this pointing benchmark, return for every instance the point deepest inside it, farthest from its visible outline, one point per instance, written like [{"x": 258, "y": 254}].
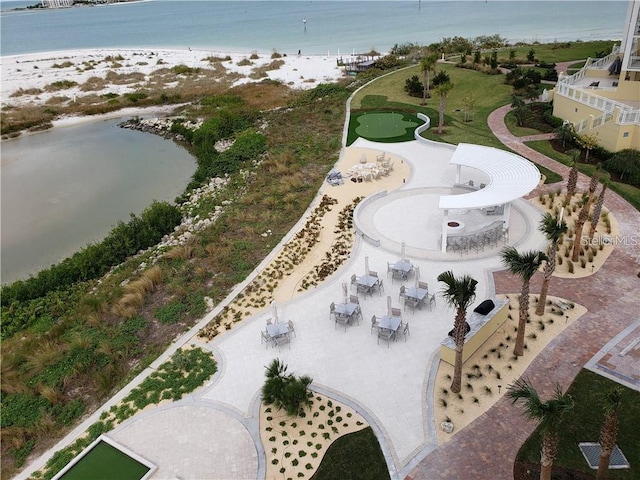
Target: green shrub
[{"x": 170, "y": 313}]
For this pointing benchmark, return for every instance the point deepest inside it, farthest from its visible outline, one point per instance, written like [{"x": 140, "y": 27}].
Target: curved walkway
[{"x": 487, "y": 448}]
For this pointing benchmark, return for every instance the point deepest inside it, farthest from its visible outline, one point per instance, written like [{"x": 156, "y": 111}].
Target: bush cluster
[{"x": 93, "y": 261}]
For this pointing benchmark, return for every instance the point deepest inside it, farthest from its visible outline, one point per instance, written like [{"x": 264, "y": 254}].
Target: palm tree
[
  {"x": 285, "y": 391},
  {"x": 521, "y": 109},
  {"x": 553, "y": 228},
  {"x": 609, "y": 430},
  {"x": 426, "y": 66},
  {"x": 593, "y": 184},
  {"x": 443, "y": 91},
  {"x": 597, "y": 209},
  {"x": 459, "y": 293},
  {"x": 572, "y": 181},
  {"x": 549, "y": 414},
  {"x": 582, "y": 218},
  {"x": 524, "y": 265},
  {"x": 564, "y": 133}
]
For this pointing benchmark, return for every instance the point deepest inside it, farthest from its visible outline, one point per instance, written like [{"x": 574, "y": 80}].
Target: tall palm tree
[
  {"x": 593, "y": 184},
  {"x": 572, "y": 181},
  {"x": 443, "y": 92},
  {"x": 549, "y": 414},
  {"x": 597, "y": 210},
  {"x": 582, "y": 218},
  {"x": 553, "y": 228},
  {"x": 524, "y": 265},
  {"x": 609, "y": 430},
  {"x": 426, "y": 66},
  {"x": 459, "y": 292}
]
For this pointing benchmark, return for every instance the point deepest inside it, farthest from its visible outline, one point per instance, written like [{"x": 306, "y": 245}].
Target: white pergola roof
[{"x": 510, "y": 177}]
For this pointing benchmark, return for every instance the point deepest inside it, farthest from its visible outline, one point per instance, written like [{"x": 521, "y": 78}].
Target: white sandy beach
[{"x": 27, "y": 79}]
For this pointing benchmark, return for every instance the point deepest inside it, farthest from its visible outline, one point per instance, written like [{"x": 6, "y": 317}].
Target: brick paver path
[{"x": 487, "y": 448}]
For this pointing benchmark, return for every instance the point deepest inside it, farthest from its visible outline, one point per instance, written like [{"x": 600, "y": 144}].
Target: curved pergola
[{"x": 510, "y": 177}]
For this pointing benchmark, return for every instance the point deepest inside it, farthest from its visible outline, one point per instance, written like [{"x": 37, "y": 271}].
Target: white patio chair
[
  {"x": 292, "y": 328},
  {"x": 396, "y": 312},
  {"x": 402, "y": 293},
  {"x": 374, "y": 323},
  {"x": 283, "y": 340},
  {"x": 423, "y": 285},
  {"x": 354, "y": 299},
  {"x": 342, "y": 320},
  {"x": 332, "y": 310},
  {"x": 412, "y": 302},
  {"x": 385, "y": 334},
  {"x": 266, "y": 338}
]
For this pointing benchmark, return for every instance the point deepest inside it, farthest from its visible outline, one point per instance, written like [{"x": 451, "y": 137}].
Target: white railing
[{"x": 591, "y": 64}]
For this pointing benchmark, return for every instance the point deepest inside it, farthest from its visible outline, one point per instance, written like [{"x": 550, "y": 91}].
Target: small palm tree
[
  {"x": 582, "y": 218},
  {"x": 553, "y": 228},
  {"x": 285, "y": 391},
  {"x": 459, "y": 293},
  {"x": 524, "y": 265},
  {"x": 588, "y": 142},
  {"x": 443, "y": 92},
  {"x": 426, "y": 66},
  {"x": 609, "y": 430},
  {"x": 565, "y": 133},
  {"x": 597, "y": 210},
  {"x": 572, "y": 181},
  {"x": 549, "y": 414}
]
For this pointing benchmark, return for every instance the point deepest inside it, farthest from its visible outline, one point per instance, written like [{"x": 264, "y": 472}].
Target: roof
[{"x": 510, "y": 177}]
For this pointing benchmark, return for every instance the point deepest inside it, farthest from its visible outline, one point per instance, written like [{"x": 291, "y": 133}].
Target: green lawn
[
  {"x": 553, "y": 53},
  {"x": 356, "y": 456},
  {"x": 385, "y": 126},
  {"x": 628, "y": 192},
  {"x": 583, "y": 425}
]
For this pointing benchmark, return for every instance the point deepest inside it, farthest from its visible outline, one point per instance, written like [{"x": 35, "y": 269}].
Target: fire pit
[{"x": 455, "y": 226}]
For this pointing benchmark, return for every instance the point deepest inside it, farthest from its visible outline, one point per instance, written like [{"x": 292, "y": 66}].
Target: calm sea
[{"x": 315, "y": 27}]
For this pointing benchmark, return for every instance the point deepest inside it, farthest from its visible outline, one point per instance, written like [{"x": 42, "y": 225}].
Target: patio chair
[
  {"x": 342, "y": 320},
  {"x": 423, "y": 285},
  {"x": 402, "y": 293},
  {"x": 292, "y": 328},
  {"x": 389, "y": 269},
  {"x": 385, "y": 334},
  {"x": 396, "y": 312},
  {"x": 332, "y": 310},
  {"x": 412, "y": 302},
  {"x": 266, "y": 338},
  {"x": 269, "y": 320},
  {"x": 476, "y": 241},
  {"x": 354, "y": 279},
  {"x": 374, "y": 323},
  {"x": 432, "y": 301},
  {"x": 399, "y": 274},
  {"x": 283, "y": 340},
  {"x": 379, "y": 286},
  {"x": 404, "y": 329},
  {"x": 373, "y": 274},
  {"x": 364, "y": 289},
  {"x": 354, "y": 299}
]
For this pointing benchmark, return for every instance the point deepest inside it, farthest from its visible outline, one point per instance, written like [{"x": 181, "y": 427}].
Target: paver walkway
[{"x": 487, "y": 448}]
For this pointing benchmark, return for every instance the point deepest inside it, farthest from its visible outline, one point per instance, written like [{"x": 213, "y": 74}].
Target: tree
[
  {"x": 524, "y": 265},
  {"x": 459, "y": 292},
  {"x": 572, "y": 181},
  {"x": 597, "y": 209},
  {"x": 413, "y": 86},
  {"x": 593, "y": 184},
  {"x": 565, "y": 133},
  {"x": 443, "y": 91},
  {"x": 531, "y": 56},
  {"x": 553, "y": 228},
  {"x": 469, "y": 103},
  {"x": 426, "y": 66},
  {"x": 476, "y": 57},
  {"x": 521, "y": 111},
  {"x": 588, "y": 142},
  {"x": 582, "y": 218},
  {"x": 285, "y": 391},
  {"x": 549, "y": 414},
  {"x": 609, "y": 430},
  {"x": 625, "y": 163}
]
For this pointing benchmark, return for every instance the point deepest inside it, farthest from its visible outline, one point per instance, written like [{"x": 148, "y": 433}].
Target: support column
[
  {"x": 458, "y": 170},
  {"x": 445, "y": 220}
]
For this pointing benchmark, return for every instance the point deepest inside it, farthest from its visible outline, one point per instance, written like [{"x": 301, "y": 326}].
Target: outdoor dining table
[
  {"x": 390, "y": 323},
  {"x": 403, "y": 266},
  {"x": 346, "y": 309},
  {"x": 367, "y": 281},
  {"x": 277, "y": 329},
  {"x": 417, "y": 293}
]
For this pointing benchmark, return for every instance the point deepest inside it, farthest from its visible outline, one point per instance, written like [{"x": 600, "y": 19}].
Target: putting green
[
  {"x": 104, "y": 462},
  {"x": 383, "y": 125}
]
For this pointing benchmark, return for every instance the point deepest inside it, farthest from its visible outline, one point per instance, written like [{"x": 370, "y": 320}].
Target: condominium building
[{"x": 603, "y": 98}]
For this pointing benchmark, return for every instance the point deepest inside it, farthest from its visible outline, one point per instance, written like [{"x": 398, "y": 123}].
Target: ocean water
[{"x": 315, "y": 27}]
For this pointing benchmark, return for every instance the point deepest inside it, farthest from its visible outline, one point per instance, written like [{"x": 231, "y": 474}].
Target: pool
[{"x": 105, "y": 459}]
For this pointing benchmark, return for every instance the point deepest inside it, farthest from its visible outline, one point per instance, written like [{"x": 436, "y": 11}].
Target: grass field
[{"x": 583, "y": 425}]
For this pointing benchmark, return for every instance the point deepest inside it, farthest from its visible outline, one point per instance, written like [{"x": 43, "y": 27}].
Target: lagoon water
[{"x": 67, "y": 187}]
